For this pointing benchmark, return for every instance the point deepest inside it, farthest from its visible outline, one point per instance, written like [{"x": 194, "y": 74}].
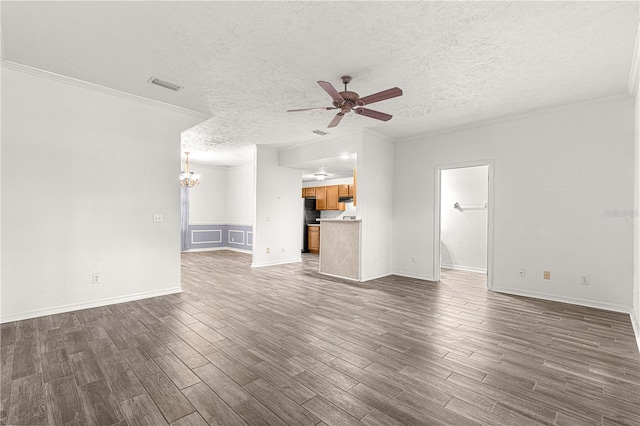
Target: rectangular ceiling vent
[
  {"x": 320, "y": 132},
  {"x": 164, "y": 84}
]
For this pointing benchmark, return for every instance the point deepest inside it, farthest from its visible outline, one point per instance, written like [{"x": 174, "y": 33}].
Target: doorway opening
[{"x": 463, "y": 243}]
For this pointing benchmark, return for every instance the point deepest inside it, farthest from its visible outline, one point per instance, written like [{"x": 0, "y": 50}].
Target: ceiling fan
[{"x": 347, "y": 101}]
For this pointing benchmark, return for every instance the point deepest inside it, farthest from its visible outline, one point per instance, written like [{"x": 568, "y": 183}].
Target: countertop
[
  {"x": 313, "y": 224},
  {"x": 340, "y": 220}
]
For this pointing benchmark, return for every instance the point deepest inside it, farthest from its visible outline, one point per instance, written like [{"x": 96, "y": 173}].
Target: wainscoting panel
[
  {"x": 203, "y": 236},
  {"x": 206, "y": 236},
  {"x": 235, "y": 236}
]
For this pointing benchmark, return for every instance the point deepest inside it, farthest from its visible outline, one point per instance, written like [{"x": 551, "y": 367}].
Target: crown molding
[
  {"x": 634, "y": 74},
  {"x": 514, "y": 117},
  {"x": 102, "y": 89},
  {"x": 368, "y": 131}
]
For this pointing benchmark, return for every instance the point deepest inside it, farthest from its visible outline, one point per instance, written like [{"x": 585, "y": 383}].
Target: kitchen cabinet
[
  {"x": 332, "y": 197},
  {"x": 327, "y": 197},
  {"x": 321, "y": 197},
  {"x": 314, "y": 239}
]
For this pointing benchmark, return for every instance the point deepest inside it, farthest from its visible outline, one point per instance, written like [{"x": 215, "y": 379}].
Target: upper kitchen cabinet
[
  {"x": 332, "y": 197},
  {"x": 321, "y": 198},
  {"x": 339, "y": 189},
  {"x": 327, "y": 197}
]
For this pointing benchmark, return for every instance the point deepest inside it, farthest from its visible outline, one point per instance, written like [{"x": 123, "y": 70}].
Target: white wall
[
  {"x": 375, "y": 204},
  {"x": 240, "y": 199},
  {"x": 225, "y": 195},
  {"x": 463, "y": 231},
  {"x": 278, "y": 219},
  {"x": 328, "y": 147},
  {"x": 636, "y": 234},
  {"x": 208, "y": 200},
  {"x": 563, "y": 182},
  {"x": 69, "y": 205}
]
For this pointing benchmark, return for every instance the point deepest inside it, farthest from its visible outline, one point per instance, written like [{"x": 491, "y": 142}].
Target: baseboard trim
[
  {"x": 464, "y": 268},
  {"x": 338, "y": 276},
  {"x": 413, "y": 276},
  {"x": 218, "y": 249},
  {"x": 239, "y": 250},
  {"x": 562, "y": 299},
  {"x": 86, "y": 305},
  {"x": 276, "y": 262},
  {"x": 375, "y": 277},
  {"x": 636, "y": 327}
]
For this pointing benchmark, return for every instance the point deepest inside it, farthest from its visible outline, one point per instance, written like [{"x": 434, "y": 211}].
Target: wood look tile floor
[{"x": 285, "y": 346}]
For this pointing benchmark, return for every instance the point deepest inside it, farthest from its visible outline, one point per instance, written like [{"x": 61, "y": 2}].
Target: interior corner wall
[
  {"x": 636, "y": 226},
  {"x": 207, "y": 200},
  {"x": 69, "y": 205},
  {"x": 463, "y": 236},
  {"x": 278, "y": 211},
  {"x": 563, "y": 201},
  {"x": 240, "y": 199},
  {"x": 375, "y": 186}
]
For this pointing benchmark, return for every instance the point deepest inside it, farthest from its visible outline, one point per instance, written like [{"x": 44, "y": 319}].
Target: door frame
[{"x": 437, "y": 213}]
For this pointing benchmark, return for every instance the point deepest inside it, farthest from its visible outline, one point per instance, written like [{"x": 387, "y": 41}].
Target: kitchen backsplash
[{"x": 338, "y": 214}]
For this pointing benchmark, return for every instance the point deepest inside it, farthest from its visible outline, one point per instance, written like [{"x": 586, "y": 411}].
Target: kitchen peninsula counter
[{"x": 340, "y": 248}]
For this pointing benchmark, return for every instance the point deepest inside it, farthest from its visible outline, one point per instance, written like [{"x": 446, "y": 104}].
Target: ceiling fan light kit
[{"x": 347, "y": 101}]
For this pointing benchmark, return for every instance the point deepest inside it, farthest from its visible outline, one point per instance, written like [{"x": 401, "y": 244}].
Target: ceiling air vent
[
  {"x": 164, "y": 84},
  {"x": 320, "y": 132}
]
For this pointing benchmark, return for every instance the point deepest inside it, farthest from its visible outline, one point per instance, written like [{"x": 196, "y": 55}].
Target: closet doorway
[{"x": 463, "y": 211}]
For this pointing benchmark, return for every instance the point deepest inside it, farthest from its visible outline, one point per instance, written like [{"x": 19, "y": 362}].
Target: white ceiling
[{"x": 246, "y": 63}]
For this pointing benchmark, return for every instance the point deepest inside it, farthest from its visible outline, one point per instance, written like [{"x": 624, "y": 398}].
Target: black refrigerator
[{"x": 311, "y": 215}]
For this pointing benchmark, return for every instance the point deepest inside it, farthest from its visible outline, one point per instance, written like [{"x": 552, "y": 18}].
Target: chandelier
[{"x": 188, "y": 179}]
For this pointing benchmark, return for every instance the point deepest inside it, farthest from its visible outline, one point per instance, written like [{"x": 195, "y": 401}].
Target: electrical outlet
[
  {"x": 157, "y": 217},
  {"x": 268, "y": 250},
  {"x": 268, "y": 219},
  {"x": 413, "y": 260},
  {"x": 283, "y": 249},
  {"x": 585, "y": 280},
  {"x": 521, "y": 274},
  {"x": 95, "y": 279},
  {"x": 546, "y": 275}
]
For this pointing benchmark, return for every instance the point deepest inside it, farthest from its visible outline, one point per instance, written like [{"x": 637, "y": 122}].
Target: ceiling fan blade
[
  {"x": 373, "y": 114},
  {"x": 380, "y": 96},
  {"x": 331, "y": 91},
  {"x": 336, "y": 119},
  {"x": 312, "y": 109}
]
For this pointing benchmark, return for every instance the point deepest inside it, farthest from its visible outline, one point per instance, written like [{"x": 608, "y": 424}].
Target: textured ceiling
[{"x": 246, "y": 63}]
